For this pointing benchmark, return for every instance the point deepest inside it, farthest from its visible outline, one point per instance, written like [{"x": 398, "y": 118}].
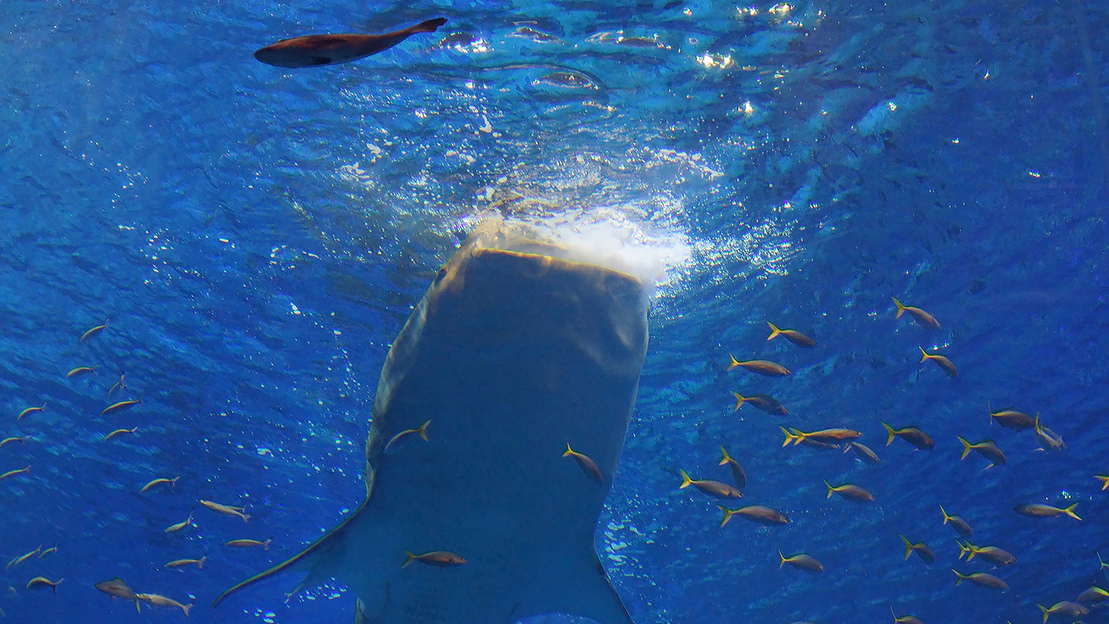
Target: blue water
[{"x": 258, "y": 236}]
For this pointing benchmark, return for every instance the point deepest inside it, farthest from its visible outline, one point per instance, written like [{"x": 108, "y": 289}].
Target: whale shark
[{"x": 515, "y": 354}]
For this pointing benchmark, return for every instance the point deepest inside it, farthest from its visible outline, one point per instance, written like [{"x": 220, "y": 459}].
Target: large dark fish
[
  {"x": 556, "y": 365},
  {"x": 314, "y": 50}
]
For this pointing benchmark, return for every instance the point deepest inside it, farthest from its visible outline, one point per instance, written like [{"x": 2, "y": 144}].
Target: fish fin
[
  {"x": 923, "y": 354},
  {"x": 961, "y": 576},
  {"x": 1046, "y": 611},
  {"x": 1070, "y": 512},
  {"x": 908, "y": 547},
  {"x": 789, "y": 436},
  {"x": 428, "y": 26},
  {"x": 774, "y": 331},
  {"x": 422, "y": 430},
  {"x": 734, "y": 363},
  {"x": 724, "y": 460},
  {"x": 830, "y": 489},
  {"x": 900, "y": 309},
  {"x": 585, "y": 592},
  {"x": 966, "y": 448},
  {"x": 360, "y": 612},
  {"x": 569, "y": 451},
  {"x": 739, "y": 399},
  {"x": 686, "y": 481},
  {"x": 318, "y": 559},
  {"x": 408, "y": 559},
  {"x": 780, "y": 555},
  {"x": 890, "y": 435},
  {"x": 728, "y": 516}
]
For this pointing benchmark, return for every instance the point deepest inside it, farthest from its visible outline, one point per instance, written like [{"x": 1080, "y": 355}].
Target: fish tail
[
  {"x": 923, "y": 354},
  {"x": 908, "y": 547},
  {"x": 428, "y": 26},
  {"x": 966, "y": 447},
  {"x": 422, "y": 430},
  {"x": 890, "y": 433},
  {"x": 686, "y": 481},
  {"x": 789, "y": 437},
  {"x": 962, "y": 577},
  {"x": 727, "y": 514},
  {"x": 780, "y": 555},
  {"x": 1101, "y": 561},
  {"x": 137, "y": 606},
  {"x": 774, "y": 331},
  {"x": 1046, "y": 611},
  {"x": 900, "y": 309},
  {"x": 830, "y": 488},
  {"x": 186, "y": 608},
  {"x": 724, "y": 460},
  {"x": 569, "y": 451},
  {"x": 1070, "y": 511},
  {"x": 266, "y": 544},
  {"x": 739, "y": 399},
  {"x": 734, "y": 363},
  {"x": 246, "y": 517},
  {"x": 409, "y": 558},
  {"x": 200, "y": 562},
  {"x": 1104, "y": 482}
]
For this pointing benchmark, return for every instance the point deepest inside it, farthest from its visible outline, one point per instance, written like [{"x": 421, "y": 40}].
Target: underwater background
[{"x": 256, "y": 237}]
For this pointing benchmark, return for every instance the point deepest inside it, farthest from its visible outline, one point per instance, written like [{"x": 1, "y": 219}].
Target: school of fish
[
  {"x": 305, "y": 51},
  {"x": 319, "y": 50},
  {"x": 117, "y": 408},
  {"x": 846, "y": 439}
]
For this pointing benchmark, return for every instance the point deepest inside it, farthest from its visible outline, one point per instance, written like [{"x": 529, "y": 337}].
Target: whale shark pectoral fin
[
  {"x": 581, "y": 588},
  {"x": 599, "y": 599},
  {"x": 360, "y": 612},
  {"x": 320, "y": 560}
]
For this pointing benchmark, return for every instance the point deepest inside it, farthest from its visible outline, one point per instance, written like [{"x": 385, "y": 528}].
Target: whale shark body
[{"x": 514, "y": 354}]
